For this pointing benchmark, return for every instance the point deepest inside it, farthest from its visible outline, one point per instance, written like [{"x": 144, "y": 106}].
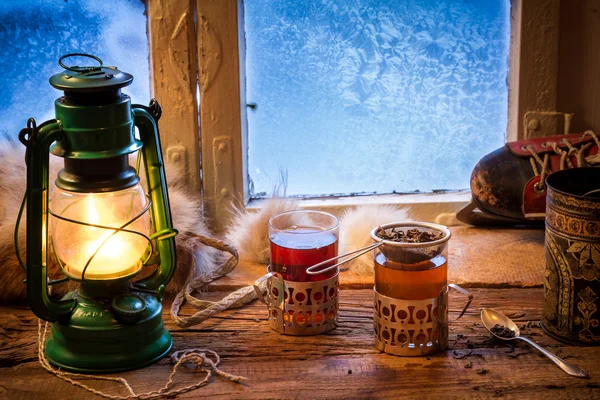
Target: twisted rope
[
  {"x": 593, "y": 159},
  {"x": 195, "y": 283},
  {"x": 201, "y": 357},
  {"x": 198, "y": 356},
  {"x": 543, "y": 164},
  {"x": 565, "y": 157}
]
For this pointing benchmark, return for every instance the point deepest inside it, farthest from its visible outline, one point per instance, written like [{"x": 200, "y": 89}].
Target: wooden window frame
[
  {"x": 173, "y": 75},
  {"x": 200, "y": 45}
]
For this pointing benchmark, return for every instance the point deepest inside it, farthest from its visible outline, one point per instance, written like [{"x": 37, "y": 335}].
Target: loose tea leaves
[
  {"x": 459, "y": 356},
  {"x": 414, "y": 235},
  {"x": 412, "y": 244},
  {"x": 503, "y": 331}
]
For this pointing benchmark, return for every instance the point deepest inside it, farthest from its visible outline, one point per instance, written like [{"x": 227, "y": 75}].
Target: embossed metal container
[
  {"x": 572, "y": 277},
  {"x": 411, "y": 327},
  {"x": 299, "y": 308},
  {"x": 410, "y": 310}
]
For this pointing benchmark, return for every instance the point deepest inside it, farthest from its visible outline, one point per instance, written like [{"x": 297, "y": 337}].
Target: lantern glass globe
[{"x": 114, "y": 254}]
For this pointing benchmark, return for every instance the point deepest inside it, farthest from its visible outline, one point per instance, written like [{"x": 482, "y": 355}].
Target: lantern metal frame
[{"x": 105, "y": 325}]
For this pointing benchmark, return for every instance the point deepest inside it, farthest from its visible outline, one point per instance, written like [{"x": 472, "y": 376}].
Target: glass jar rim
[
  {"x": 414, "y": 224},
  {"x": 336, "y": 221}
]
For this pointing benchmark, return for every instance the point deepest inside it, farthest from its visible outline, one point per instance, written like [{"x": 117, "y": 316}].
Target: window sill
[
  {"x": 439, "y": 208},
  {"x": 478, "y": 257}
]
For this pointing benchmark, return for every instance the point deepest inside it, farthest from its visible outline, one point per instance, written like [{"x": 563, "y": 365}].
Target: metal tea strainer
[{"x": 400, "y": 252}]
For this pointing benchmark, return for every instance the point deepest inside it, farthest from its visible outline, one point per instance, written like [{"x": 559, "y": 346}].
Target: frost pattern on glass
[
  {"x": 34, "y": 34},
  {"x": 373, "y": 95}
]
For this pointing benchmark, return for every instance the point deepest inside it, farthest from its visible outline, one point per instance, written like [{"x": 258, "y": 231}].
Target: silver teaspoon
[{"x": 491, "y": 318}]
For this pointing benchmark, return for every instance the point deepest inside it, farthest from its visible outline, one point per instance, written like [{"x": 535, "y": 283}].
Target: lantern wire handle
[
  {"x": 76, "y": 68},
  {"x": 25, "y": 137},
  {"x": 164, "y": 234}
]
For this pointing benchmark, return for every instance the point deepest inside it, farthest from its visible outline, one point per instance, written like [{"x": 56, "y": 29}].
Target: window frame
[
  {"x": 208, "y": 139},
  {"x": 173, "y": 76}
]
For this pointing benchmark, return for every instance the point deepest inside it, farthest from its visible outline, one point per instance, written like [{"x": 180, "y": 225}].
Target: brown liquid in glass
[{"x": 423, "y": 280}]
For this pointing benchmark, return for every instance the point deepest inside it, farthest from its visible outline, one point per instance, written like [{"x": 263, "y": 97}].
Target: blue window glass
[
  {"x": 373, "y": 96},
  {"x": 35, "y": 33}
]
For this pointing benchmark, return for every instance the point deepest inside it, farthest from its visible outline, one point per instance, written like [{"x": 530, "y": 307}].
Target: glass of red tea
[
  {"x": 299, "y": 303},
  {"x": 300, "y": 239},
  {"x": 411, "y": 288}
]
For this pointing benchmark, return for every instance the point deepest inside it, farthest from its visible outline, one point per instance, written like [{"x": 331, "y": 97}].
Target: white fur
[
  {"x": 355, "y": 228},
  {"x": 249, "y": 230}
]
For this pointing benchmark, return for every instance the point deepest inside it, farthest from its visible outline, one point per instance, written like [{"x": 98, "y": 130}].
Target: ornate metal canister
[{"x": 572, "y": 277}]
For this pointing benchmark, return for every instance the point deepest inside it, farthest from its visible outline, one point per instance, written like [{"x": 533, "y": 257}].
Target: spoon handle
[{"x": 565, "y": 366}]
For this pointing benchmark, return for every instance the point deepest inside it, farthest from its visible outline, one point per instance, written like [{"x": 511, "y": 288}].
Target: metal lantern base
[
  {"x": 101, "y": 337},
  {"x": 411, "y": 327}
]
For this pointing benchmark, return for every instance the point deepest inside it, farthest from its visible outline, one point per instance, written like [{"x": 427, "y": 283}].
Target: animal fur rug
[{"x": 248, "y": 231}]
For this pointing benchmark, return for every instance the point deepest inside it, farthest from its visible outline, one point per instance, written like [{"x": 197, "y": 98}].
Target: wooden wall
[{"x": 579, "y": 63}]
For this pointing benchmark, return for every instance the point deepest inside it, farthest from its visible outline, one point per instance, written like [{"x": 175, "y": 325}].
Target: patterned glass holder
[
  {"x": 299, "y": 308},
  {"x": 413, "y": 327}
]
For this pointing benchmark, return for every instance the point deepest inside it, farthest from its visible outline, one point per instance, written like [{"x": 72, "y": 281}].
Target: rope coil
[
  {"x": 206, "y": 309},
  {"x": 200, "y": 357}
]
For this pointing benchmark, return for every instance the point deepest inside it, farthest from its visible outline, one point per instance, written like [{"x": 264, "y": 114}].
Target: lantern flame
[{"x": 102, "y": 253}]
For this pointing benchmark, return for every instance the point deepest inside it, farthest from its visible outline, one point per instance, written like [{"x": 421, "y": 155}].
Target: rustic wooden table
[
  {"x": 341, "y": 364},
  {"x": 504, "y": 269}
]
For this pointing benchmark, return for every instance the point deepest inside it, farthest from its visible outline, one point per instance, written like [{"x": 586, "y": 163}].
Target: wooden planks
[
  {"x": 533, "y": 77},
  {"x": 173, "y": 59},
  {"x": 578, "y": 83},
  {"x": 341, "y": 364},
  {"x": 222, "y": 108}
]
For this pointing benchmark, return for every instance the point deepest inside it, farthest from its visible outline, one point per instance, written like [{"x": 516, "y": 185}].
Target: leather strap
[{"x": 541, "y": 147}]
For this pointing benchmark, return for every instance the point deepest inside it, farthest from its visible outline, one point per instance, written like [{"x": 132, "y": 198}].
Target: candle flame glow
[{"x": 113, "y": 253}]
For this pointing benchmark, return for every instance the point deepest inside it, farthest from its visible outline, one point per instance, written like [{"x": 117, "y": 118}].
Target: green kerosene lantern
[{"x": 99, "y": 224}]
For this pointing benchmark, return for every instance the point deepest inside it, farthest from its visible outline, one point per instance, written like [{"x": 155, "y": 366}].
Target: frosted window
[
  {"x": 35, "y": 33},
  {"x": 373, "y": 95}
]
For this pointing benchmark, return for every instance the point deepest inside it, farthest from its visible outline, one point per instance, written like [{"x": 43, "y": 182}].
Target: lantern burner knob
[{"x": 128, "y": 308}]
